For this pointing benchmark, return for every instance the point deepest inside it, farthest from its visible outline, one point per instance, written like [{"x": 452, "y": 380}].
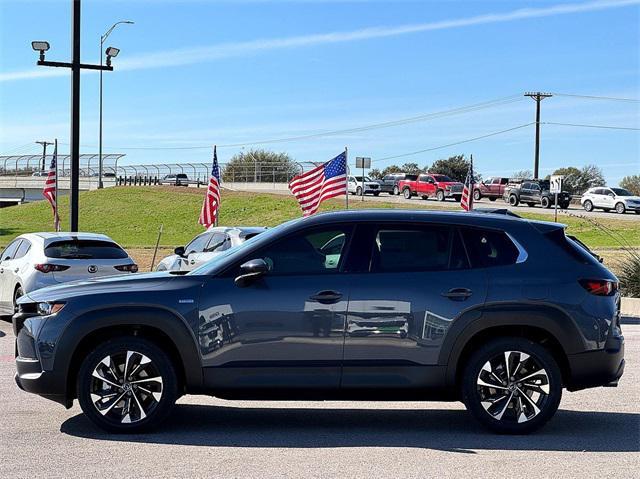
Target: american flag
[
  {"x": 50, "y": 190},
  {"x": 211, "y": 204},
  {"x": 467, "y": 193},
  {"x": 323, "y": 182}
]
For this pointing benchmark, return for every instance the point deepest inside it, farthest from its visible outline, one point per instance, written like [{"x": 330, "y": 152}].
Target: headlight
[{"x": 47, "y": 309}]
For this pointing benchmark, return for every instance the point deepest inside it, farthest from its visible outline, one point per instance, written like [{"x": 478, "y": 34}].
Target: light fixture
[
  {"x": 111, "y": 52},
  {"x": 40, "y": 47}
]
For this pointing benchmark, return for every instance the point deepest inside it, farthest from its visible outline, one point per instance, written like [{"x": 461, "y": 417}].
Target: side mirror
[
  {"x": 250, "y": 271},
  {"x": 179, "y": 251}
]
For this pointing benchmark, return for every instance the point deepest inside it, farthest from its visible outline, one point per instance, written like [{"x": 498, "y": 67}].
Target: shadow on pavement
[{"x": 445, "y": 430}]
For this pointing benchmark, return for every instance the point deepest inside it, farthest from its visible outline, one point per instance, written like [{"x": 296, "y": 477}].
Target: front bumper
[
  {"x": 603, "y": 367},
  {"x": 633, "y": 207}
]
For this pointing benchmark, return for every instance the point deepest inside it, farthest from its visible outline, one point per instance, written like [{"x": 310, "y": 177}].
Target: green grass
[{"x": 132, "y": 215}]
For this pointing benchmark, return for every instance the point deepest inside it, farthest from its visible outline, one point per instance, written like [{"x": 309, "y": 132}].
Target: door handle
[
  {"x": 326, "y": 297},
  {"x": 458, "y": 294}
]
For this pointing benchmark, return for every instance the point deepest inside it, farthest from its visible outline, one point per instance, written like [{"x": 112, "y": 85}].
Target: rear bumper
[{"x": 597, "y": 368}]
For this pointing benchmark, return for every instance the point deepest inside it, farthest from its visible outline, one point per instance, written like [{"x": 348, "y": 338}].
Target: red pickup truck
[
  {"x": 491, "y": 188},
  {"x": 428, "y": 185}
]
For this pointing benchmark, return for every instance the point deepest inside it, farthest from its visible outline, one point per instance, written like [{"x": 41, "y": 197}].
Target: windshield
[
  {"x": 621, "y": 192},
  {"x": 443, "y": 178},
  {"x": 359, "y": 178},
  {"x": 84, "y": 249},
  {"x": 265, "y": 237}
]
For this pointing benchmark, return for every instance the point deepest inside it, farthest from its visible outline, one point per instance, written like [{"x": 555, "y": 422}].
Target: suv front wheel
[
  {"x": 127, "y": 385},
  {"x": 512, "y": 385}
]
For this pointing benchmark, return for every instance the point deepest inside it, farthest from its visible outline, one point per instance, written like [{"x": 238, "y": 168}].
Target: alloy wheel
[
  {"x": 126, "y": 387},
  {"x": 513, "y": 387}
]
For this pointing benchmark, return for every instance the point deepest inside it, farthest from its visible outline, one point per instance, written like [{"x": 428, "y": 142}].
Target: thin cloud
[{"x": 188, "y": 56}]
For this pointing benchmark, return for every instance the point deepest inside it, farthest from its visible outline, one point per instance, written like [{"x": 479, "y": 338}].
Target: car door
[
  {"x": 608, "y": 198},
  {"x": 415, "y": 285},
  {"x": 285, "y": 330},
  {"x": 425, "y": 186},
  {"x": 7, "y": 276},
  {"x": 194, "y": 250},
  {"x": 525, "y": 193}
]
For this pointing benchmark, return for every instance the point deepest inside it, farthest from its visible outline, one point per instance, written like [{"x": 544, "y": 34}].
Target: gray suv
[{"x": 485, "y": 308}]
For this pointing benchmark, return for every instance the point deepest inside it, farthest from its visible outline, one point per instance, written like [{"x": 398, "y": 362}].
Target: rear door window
[
  {"x": 23, "y": 249},
  {"x": 84, "y": 249},
  {"x": 218, "y": 242},
  {"x": 8, "y": 253},
  {"x": 417, "y": 248},
  {"x": 489, "y": 248}
]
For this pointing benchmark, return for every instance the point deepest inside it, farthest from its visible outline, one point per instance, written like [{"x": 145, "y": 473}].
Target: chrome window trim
[{"x": 522, "y": 253}]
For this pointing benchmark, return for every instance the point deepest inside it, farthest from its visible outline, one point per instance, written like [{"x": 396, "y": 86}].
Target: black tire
[
  {"x": 396, "y": 190},
  {"x": 481, "y": 398},
  {"x": 588, "y": 206},
  {"x": 545, "y": 202},
  {"x": 477, "y": 195},
  {"x": 513, "y": 200},
  {"x": 16, "y": 295},
  {"x": 564, "y": 206},
  {"x": 406, "y": 193},
  {"x": 157, "y": 409},
  {"x": 493, "y": 198},
  {"x": 424, "y": 197},
  {"x": 620, "y": 208},
  {"x": 358, "y": 191},
  {"x": 440, "y": 195}
]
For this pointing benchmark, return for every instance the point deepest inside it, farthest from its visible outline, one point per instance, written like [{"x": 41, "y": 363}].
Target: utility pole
[
  {"x": 75, "y": 67},
  {"x": 538, "y": 97},
  {"x": 44, "y": 152}
]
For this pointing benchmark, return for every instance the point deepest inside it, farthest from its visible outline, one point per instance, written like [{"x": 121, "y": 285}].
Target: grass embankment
[{"x": 132, "y": 216}]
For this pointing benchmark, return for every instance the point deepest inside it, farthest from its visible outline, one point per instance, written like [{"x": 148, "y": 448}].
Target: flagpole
[
  {"x": 471, "y": 185},
  {"x": 57, "y": 215},
  {"x": 346, "y": 187},
  {"x": 215, "y": 159}
]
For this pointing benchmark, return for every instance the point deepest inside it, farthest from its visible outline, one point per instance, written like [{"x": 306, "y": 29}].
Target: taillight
[
  {"x": 50, "y": 268},
  {"x": 128, "y": 268},
  {"x": 600, "y": 287}
]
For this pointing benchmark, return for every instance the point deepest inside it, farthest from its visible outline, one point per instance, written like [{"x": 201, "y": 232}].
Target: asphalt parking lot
[{"x": 595, "y": 433}]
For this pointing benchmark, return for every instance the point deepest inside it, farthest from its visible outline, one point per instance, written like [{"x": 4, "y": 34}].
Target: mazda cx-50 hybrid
[{"x": 492, "y": 310}]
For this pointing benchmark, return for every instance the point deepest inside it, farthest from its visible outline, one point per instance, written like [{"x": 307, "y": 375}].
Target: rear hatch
[{"x": 85, "y": 258}]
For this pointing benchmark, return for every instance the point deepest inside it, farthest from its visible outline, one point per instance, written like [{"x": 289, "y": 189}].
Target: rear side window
[
  {"x": 84, "y": 249},
  {"x": 489, "y": 248},
  {"x": 23, "y": 249},
  {"x": 576, "y": 251},
  {"x": 412, "y": 249},
  {"x": 10, "y": 251}
]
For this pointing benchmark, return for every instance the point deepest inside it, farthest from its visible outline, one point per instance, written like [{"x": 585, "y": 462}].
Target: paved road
[
  {"x": 595, "y": 433},
  {"x": 450, "y": 204}
]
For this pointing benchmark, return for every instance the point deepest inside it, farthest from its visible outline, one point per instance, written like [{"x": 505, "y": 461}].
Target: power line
[
  {"x": 607, "y": 127},
  {"x": 373, "y": 126},
  {"x": 455, "y": 143},
  {"x": 596, "y": 97}
]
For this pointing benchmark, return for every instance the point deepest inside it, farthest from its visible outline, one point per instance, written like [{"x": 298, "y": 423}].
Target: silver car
[
  {"x": 35, "y": 260},
  {"x": 206, "y": 246},
  {"x": 606, "y": 198}
]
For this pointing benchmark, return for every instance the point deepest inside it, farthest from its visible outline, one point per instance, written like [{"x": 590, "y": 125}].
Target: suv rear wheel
[
  {"x": 512, "y": 385},
  {"x": 588, "y": 205},
  {"x": 406, "y": 193},
  {"x": 127, "y": 385}
]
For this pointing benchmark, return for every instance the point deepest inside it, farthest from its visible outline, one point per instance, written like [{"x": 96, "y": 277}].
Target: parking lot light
[{"x": 40, "y": 46}]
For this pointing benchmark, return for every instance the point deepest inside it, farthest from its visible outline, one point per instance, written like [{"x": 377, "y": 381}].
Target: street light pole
[{"x": 103, "y": 38}]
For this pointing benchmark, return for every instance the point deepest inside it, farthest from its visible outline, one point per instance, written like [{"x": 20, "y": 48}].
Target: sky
[{"x": 390, "y": 80}]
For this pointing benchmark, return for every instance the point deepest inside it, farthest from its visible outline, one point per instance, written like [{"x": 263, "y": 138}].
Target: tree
[
  {"x": 375, "y": 174},
  {"x": 522, "y": 174},
  {"x": 571, "y": 182},
  {"x": 261, "y": 166},
  {"x": 456, "y": 167},
  {"x": 631, "y": 183},
  {"x": 391, "y": 169},
  {"x": 411, "y": 168}
]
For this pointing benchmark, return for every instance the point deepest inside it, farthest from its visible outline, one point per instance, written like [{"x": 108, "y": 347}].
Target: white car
[
  {"x": 355, "y": 185},
  {"x": 206, "y": 246},
  {"x": 608, "y": 199},
  {"x": 36, "y": 260}
]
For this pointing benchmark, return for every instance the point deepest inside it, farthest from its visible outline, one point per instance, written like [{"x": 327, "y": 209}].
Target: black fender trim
[
  {"x": 549, "y": 319},
  {"x": 168, "y": 323}
]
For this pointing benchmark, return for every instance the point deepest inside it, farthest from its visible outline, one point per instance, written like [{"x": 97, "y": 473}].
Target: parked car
[
  {"x": 180, "y": 179},
  {"x": 40, "y": 173},
  {"x": 355, "y": 186},
  {"x": 36, "y": 260},
  {"x": 492, "y": 188},
  {"x": 431, "y": 185},
  {"x": 206, "y": 246},
  {"x": 389, "y": 184},
  {"x": 493, "y": 310},
  {"x": 609, "y": 199},
  {"x": 535, "y": 192}
]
